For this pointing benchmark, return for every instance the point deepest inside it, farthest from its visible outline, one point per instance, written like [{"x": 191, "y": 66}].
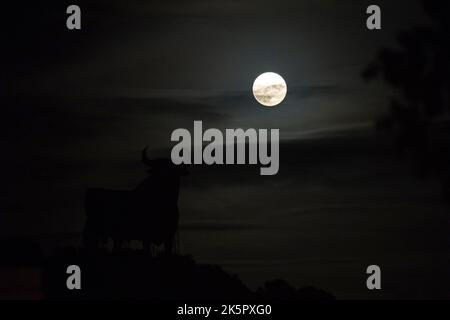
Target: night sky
[{"x": 79, "y": 106}]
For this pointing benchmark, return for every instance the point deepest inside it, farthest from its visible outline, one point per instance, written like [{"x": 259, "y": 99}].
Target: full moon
[{"x": 269, "y": 89}]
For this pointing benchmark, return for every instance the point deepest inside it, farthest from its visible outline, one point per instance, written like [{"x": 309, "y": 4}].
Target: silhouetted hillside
[
  {"x": 137, "y": 275},
  {"x": 26, "y": 273}
]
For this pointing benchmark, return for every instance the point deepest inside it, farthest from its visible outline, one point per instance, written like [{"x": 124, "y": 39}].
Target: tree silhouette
[{"x": 418, "y": 71}]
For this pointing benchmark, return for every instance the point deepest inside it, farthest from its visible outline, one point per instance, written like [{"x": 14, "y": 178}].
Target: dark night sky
[{"x": 77, "y": 108}]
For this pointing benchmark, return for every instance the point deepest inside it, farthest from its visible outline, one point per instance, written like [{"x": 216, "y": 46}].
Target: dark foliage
[{"x": 418, "y": 70}]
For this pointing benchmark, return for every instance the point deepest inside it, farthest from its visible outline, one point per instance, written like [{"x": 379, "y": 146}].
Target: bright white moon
[{"x": 269, "y": 89}]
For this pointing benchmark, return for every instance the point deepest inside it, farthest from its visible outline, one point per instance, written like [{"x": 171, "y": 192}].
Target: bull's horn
[{"x": 145, "y": 160}]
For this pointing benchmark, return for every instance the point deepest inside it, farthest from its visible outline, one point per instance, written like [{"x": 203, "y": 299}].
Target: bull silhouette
[{"x": 148, "y": 213}]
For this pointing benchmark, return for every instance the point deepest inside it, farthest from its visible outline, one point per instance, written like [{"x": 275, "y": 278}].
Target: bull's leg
[
  {"x": 148, "y": 247},
  {"x": 90, "y": 239}
]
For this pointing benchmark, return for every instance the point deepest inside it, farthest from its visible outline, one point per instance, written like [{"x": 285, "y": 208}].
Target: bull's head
[{"x": 163, "y": 165}]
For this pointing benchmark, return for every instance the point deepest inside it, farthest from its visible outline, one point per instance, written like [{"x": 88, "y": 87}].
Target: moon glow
[{"x": 269, "y": 89}]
